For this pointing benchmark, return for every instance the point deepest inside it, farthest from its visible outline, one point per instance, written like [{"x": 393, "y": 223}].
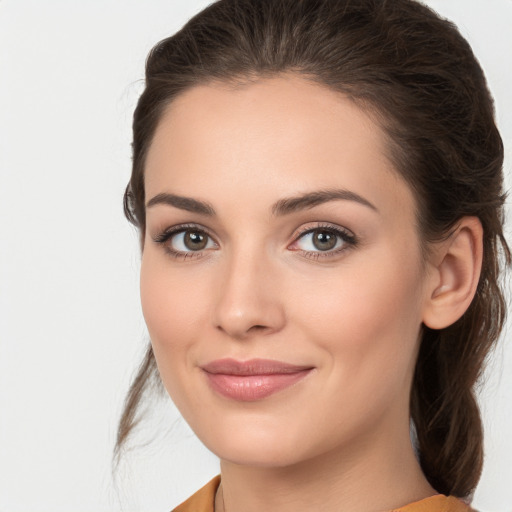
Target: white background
[{"x": 71, "y": 329}]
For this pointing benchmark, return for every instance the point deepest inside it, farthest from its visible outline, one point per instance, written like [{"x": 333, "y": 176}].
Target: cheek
[
  {"x": 173, "y": 308},
  {"x": 174, "y": 311},
  {"x": 367, "y": 319}
]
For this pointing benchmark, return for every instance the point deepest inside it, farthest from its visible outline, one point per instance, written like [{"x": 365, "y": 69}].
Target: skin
[{"x": 259, "y": 290}]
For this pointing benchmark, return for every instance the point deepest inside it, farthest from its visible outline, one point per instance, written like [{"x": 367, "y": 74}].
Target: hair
[{"x": 411, "y": 69}]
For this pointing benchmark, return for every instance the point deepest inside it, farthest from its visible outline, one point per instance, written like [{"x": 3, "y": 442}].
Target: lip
[{"x": 252, "y": 380}]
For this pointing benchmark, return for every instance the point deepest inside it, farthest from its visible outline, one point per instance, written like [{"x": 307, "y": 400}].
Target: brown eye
[
  {"x": 324, "y": 240},
  {"x": 195, "y": 240},
  {"x": 321, "y": 240},
  {"x": 185, "y": 241}
]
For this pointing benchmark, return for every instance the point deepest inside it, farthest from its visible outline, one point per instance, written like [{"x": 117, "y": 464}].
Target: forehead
[{"x": 280, "y": 136}]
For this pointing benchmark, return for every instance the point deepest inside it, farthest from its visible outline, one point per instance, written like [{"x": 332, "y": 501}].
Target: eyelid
[
  {"x": 348, "y": 238},
  {"x": 317, "y": 226},
  {"x": 167, "y": 234}
]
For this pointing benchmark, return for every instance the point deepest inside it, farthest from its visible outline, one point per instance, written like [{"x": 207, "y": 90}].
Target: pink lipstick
[{"x": 252, "y": 380}]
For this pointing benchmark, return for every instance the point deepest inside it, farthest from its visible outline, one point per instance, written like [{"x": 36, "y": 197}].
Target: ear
[{"x": 455, "y": 266}]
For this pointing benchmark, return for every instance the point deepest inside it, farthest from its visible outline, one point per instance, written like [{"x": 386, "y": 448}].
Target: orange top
[{"x": 203, "y": 501}]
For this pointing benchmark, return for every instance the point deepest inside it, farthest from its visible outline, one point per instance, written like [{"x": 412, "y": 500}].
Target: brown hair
[{"x": 414, "y": 71}]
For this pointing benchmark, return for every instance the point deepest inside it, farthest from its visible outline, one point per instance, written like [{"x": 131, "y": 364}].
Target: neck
[{"x": 358, "y": 479}]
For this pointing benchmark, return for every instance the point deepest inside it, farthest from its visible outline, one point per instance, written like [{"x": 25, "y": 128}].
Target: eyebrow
[
  {"x": 310, "y": 199},
  {"x": 183, "y": 203},
  {"x": 282, "y": 207}
]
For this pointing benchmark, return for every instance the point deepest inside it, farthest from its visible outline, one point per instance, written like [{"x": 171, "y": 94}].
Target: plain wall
[{"x": 71, "y": 329}]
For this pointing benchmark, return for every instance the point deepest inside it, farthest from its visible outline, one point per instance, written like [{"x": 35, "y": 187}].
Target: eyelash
[
  {"x": 348, "y": 238},
  {"x": 167, "y": 235}
]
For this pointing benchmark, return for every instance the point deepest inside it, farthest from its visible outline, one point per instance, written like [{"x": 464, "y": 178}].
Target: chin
[
  {"x": 259, "y": 458},
  {"x": 264, "y": 451}
]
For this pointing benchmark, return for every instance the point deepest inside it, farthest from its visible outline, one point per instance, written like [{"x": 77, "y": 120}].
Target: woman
[{"x": 318, "y": 189}]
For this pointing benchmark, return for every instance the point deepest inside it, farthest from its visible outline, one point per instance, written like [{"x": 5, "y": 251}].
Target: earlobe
[{"x": 455, "y": 274}]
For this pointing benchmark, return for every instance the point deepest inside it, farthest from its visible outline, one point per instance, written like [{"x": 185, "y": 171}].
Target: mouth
[{"x": 252, "y": 380}]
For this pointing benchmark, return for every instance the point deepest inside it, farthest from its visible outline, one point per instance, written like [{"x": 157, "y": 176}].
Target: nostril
[{"x": 242, "y": 317}]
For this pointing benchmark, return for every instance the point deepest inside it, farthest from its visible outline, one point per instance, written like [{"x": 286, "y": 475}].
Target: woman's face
[{"x": 281, "y": 278}]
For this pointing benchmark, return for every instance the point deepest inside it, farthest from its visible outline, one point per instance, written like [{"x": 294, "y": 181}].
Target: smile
[{"x": 252, "y": 380}]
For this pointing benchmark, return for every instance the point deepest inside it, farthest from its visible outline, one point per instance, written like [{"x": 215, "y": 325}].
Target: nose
[{"x": 248, "y": 298}]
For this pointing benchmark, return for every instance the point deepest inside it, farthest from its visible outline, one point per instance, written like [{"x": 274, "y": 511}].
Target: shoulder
[
  {"x": 437, "y": 503},
  {"x": 203, "y": 500}
]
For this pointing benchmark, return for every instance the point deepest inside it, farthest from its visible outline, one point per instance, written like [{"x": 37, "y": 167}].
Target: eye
[
  {"x": 323, "y": 239},
  {"x": 183, "y": 241}
]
